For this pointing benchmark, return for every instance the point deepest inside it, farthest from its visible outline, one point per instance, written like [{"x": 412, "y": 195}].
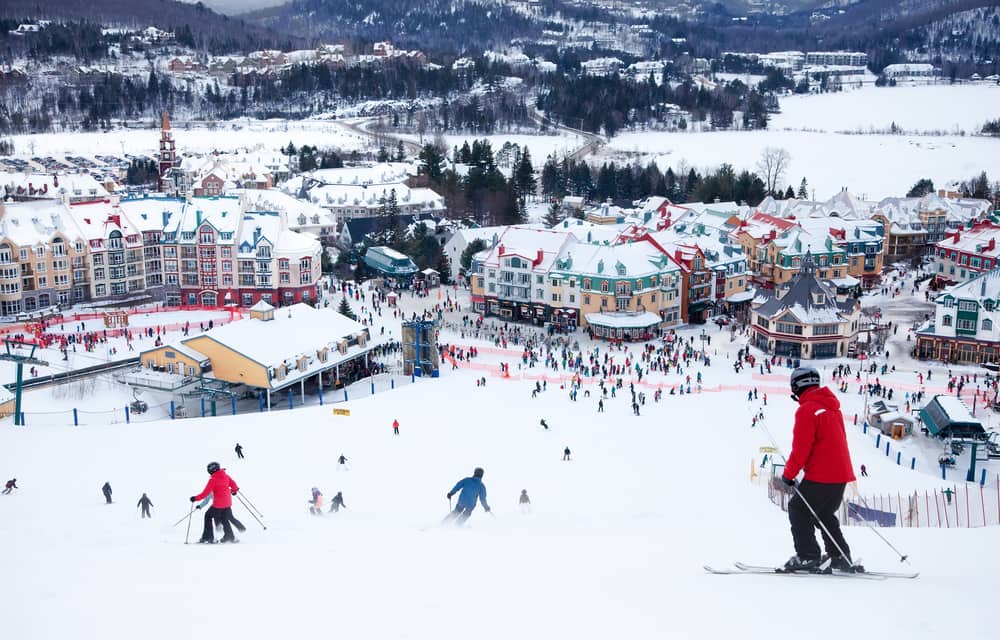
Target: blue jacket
[{"x": 472, "y": 488}]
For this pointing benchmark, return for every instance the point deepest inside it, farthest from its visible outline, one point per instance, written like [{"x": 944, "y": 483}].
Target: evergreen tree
[
  {"x": 474, "y": 247},
  {"x": 524, "y": 176},
  {"x": 400, "y": 152},
  {"x": 383, "y": 155},
  {"x": 345, "y": 309},
  {"x": 803, "y": 192},
  {"x": 431, "y": 163},
  {"x": 789, "y": 193},
  {"x": 550, "y": 178},
  {"x": 554, "y": 214},
  {"x": 921, "y": 188}
]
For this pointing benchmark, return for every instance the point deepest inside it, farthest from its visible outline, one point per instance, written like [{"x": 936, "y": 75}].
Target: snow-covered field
[
  {"x": 870, "y": 166},
  {"x": 937, "y": 108},
  {"x": 614, "y": 546},
  {"x": 228, "y": 136}
]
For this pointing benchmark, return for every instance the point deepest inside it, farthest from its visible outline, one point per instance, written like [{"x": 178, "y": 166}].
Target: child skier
[
  {"x": 316, "y": 504},
  {"x": 524, "y": 502}
]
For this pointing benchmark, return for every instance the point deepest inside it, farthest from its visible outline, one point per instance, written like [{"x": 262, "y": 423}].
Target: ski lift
[
  {"x": 946, "y": 460},
  {"x": 138, "y": 406}
]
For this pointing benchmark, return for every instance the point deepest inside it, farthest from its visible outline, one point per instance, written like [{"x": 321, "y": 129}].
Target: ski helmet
[
  {"x": 213, "y": 467},
  {"x": 478, "y": 473},
  {"x": 803, "y": 378}
]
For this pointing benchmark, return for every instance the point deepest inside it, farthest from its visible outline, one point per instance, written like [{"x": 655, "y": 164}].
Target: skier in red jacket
[
  {"x": 222, "y": 488},
  {"x": 819, "y": 446}
]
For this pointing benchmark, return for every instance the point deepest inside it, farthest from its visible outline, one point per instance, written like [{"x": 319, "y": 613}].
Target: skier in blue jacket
[{"x": 472, "y": 489}]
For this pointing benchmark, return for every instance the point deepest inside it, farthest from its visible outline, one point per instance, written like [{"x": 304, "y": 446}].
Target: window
[
  {"x": 572, "y": 283},
  {"x": 965, "y": 325},
  {"x": 586, "y": 283},
  {"x": 604, "y": 286},
  {"x": 100, "y": 290},
  {"x": 572, "y": 298},
  {"x": 946, "y": 321},
  {"x": 99, "y": 260},
  {"x": 541, "y": 280},
  {"x": 966, "y": 305},
  {"x": 987, "y": 325},
  {"x": 586, "y": 299},
  {"x": 825, "y": 330},
  {"x": 226, "y": 252}
]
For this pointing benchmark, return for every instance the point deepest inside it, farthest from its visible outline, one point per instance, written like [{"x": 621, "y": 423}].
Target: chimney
[
  {"x": 539, "y": 256},
  {"x": 55, "y": 181},
  {"x": 500, "y": 251},
  {"x": 992, "y": 245},
  {"x": 958, "y": 236},
  {"x": 256, "y": 235}
]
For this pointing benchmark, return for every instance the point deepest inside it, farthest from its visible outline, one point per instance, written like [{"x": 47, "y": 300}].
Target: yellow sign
[
  {"x": 341, "y": 412},
  {"x": 768, "y": 450}
]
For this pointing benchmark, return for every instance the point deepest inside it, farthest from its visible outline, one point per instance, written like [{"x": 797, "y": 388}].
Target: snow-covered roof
[
  {"x": 983, "y": 287},
  {"x": 980, "y": 240},
  {"x": 97, "y": 220},
  {"x": 624, "y": 320},
  {"x": 296, "y": 331},
  {"x": 955, "y": 408},
  {"x": 527, "y": 243},
  {"x": 37, "y": 221},
  {"x": 808, "y": 299}
]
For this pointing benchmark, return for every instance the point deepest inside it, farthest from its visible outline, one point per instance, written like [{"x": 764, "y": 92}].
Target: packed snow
[{"x": 614, "y": 546}]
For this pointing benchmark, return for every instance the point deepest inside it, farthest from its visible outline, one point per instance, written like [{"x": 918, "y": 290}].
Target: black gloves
[
  {"x": 449, "y": 495},
  {"x": 192, "y": 498},
  {"x": 788, "y": 481}
]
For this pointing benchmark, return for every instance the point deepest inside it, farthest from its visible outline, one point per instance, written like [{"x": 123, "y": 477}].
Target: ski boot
[
  {"x": 843, "y": 565},
  {"x": 796, "y": 564}
]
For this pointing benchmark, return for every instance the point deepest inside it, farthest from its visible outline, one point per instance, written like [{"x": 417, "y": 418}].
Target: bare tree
[{"x": 772, "y": 165}]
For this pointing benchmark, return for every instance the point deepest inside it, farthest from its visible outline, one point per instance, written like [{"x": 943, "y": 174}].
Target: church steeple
[{"x": 168, "y": 152}]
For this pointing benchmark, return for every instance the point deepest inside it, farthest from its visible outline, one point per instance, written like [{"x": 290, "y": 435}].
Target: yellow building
[
  {"x": 270, "y": 351},
  {"x": 6, "y": 402}
]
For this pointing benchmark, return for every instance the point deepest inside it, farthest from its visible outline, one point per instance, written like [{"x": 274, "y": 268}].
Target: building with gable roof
[
  {"x": 966, "y": 324},
  {"x": 805, "y": 318},
  {"x": 117, "y": 267},
  {"x": 966, "y": 253},
  {"x": 43, "y": 257}
]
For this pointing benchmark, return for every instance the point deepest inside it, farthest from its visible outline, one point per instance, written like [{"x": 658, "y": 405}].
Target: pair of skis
[{"x": 751, "y": 569}]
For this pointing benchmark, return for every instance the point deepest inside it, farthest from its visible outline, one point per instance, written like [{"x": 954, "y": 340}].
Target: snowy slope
[{"x": 614, "y": 547}]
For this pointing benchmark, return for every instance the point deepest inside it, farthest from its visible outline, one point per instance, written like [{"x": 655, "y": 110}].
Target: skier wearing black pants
[
  {"x": 819, "y": 447},
  {"x": 106, "y": 490},
  {"x": 145, "y": 503}
]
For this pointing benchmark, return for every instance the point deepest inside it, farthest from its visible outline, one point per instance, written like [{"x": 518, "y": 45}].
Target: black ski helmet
[
  {"x": 802, "y": 379},
  {"x": 213, "y": 467},
  {"x": 478, "y": 473}
]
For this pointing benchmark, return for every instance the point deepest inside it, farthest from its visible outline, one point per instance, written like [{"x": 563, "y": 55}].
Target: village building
[
  {"x": 965, "y": 324},
  {"x": 273, "y": 350},
  {"x": 966, "y": 253},
  {"x": 805, "y": 318},
  {"x": 396, "y": 268}
]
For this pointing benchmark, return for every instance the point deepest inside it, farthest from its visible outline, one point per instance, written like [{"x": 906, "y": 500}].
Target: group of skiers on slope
[{"x": 316, "y": 502}]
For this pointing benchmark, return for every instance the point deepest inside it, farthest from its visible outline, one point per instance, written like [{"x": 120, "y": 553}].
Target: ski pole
[
  {"x": 902, "y": 557},
  {"x": 183, "y": 518},
  {"x": 188, "y": 533},
  {"x": 248, "y": 504},
  {"x": 244, "y": 503},
  {"x": 806, "y": 502}
]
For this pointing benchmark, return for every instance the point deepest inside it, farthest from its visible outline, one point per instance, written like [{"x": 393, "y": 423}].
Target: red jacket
[
  {"x": 222, "y": 488},
  {"x": 819, "y": 442}
]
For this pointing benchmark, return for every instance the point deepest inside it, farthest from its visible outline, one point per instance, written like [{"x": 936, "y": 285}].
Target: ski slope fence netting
[
  {"x": 960, "y": 505},
  {"x": 31, "y": 331},
  {"x": 196, "y": 407}
]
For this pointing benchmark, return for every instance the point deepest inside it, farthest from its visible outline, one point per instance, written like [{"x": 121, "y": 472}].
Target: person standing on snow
[
  {"x": 239, "y": 451},
  {"x": 819, "y": 446},
  {"x": 524, "y": 501},
  {"x": 337, "y": 503},
  {"x": 566, "y": 453},
  {"x": 145, "y": 503},
  {"x": 472, "y": 489},
  {"x": 222, "y": 488},
  {"x": 9, "y": 486},
  {"x": 395, "y": 427},
  {"x": 342, "y": 460},
  {"x": 106, "y": 490}
]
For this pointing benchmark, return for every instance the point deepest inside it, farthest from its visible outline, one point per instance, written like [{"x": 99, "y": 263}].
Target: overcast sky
[{"x": 238, "y": 6}]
